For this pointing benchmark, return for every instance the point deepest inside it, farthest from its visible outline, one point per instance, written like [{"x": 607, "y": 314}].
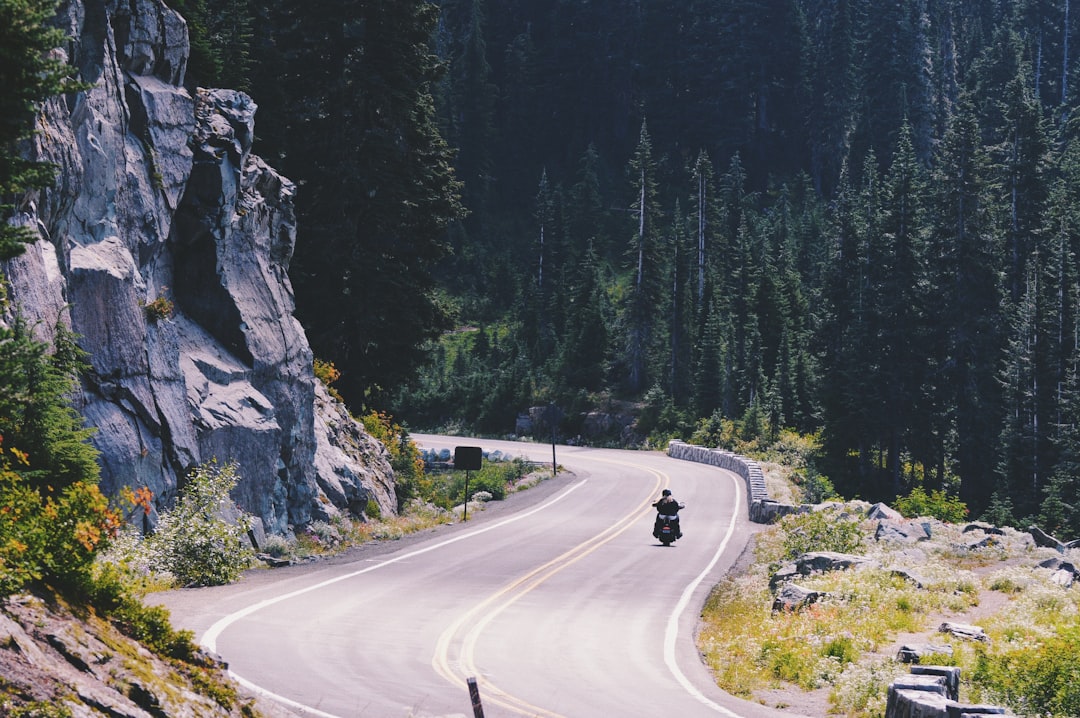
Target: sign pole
[
  {"x": 552, "y": 416},
  {"x": 474, "y": 695},
  {"x": 468, "y": 458},
  {"x": 465, "y": 512}
]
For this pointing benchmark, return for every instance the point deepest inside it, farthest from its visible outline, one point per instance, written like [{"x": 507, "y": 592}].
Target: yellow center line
[{"x": 513, "y": 591}]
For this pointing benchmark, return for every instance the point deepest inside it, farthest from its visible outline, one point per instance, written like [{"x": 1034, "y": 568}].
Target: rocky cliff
[{"x": 165, "y": 245}]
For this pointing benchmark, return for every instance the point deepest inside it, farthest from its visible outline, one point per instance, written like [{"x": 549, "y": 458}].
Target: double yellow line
[{"x": 506, "y": 596}]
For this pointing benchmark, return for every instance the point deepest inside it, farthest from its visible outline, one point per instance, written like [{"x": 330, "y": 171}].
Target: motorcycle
[{"x": 667, "y": 528}]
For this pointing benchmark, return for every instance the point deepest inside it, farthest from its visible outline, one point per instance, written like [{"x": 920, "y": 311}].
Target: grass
[
  {"x": 326, "y": 538},
  {"x": 842, "y": 649}
]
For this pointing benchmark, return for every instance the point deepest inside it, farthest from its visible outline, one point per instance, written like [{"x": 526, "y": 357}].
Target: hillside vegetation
[
  {"x": 850, "y": 219},
  {"x": 838, "y": 655}
]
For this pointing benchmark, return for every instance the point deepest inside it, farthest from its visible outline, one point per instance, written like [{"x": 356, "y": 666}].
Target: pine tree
[
  {"x": 710, "y": 366},
  {"x": 965, "y": 254},
  {"x": 1021, "y": 468},
  {"x": 28, "y": 76},
  {"x": 1022, "y": 158},
  {"x": 707, "y": 225},
  {"x": 468, "y": 100},
  {"x": 647, "y": 271},
  {"x": 681, "y": 316},
  {"x": 846, "y": 412},
  {"x": 896, "y": 300},
  {"x": 585, "y": 353},
  {"x": 896, "y": 78},
  {"x": 35, "y": 413},
  {"x": 832, "y": 52},
  {"x": 377, "y": 189}
]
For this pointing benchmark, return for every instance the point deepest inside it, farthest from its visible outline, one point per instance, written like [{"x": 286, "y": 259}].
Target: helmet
[{"x": 666, "y": 492}]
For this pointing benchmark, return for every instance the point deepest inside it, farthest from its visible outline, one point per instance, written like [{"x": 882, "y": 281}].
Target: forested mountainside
[{"x": 850, "y": 217}]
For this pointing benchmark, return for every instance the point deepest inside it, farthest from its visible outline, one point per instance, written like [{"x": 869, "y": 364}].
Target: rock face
[
  {"x": 86, "y": 667},
  {"x": 165, "y": 245}
]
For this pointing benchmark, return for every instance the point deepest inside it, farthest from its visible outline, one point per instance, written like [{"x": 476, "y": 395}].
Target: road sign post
[
  {"x": 553, "y": 415},
  {"x": 474, "y": 695},
  {"x": 469, "y": 458}
]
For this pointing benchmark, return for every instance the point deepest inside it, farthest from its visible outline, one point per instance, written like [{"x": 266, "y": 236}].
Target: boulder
[
  {"x": 986, "y": 542},
  {"x": 1063, "y": 578},
  {"x": 931, "y": 692},
  {"x": 984, "y": 527},
  {"x": 822, "y": 561},
  {"x": 964, "y": 630},
  {"x": 915, "y": 652},
  {"x": 1045, "y": 540},
  {"x": 1058, "y": 564},
  {"x": 901, "y": 530},
  {"x": 884, "y": 511},
  {"x": 787, "y": 572},
  {"x": 910, "y": 576},
  {"x": 793, "y": 597}
]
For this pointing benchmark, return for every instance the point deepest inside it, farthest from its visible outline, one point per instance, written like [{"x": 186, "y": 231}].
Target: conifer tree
[
  {"x": 584, "y": 356},
  {"x": 377, "y": 190},
  {"x": 896, "y": 299},
  {"x": 966, "y": 255},
  {"x": 647, "y": 270},
  {"x": 468, "y": 98},
  {"x": 710, "y": 367},
  {"x": 707, "y": 225},
  {"x": 681, "y": 316},
  {"x": 1021, "y": 466},
  {"x": 896, "y": 79},
  {"x": 844, "y": 336},
  {"x": 28, "y": 76},
  {"x": 1022, "y": 159},
  {"x": 832, "y": 53}
]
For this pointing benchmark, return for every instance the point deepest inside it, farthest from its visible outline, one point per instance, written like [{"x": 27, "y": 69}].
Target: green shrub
[
  {"x": 819, "y": 531},
  {"x": 35, "y": 709},
  {"x": 842, "y": 649},
  {"x": 111, "y": 593},
  {"x": 714, "y": 431},
  {"x": 816, "y": 487},
  {"x": 324, "y": 535},
  {"x": 52, "y": 538},
  {"x": 405, "y": 458},
  {"x": 277, "y": 546},
  {"x": 193, "y": 542},
  {"x": 327, "y": 373},
  {"x": 937, "y": 504},
  {"x": 159, "y": 309},
  {"x": 1035, "y": 677}
]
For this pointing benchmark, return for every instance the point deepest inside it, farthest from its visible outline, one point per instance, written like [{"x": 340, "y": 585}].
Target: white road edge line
[
  {"x": 209, "y": 638},
  {"x": 672, "y": 631}
]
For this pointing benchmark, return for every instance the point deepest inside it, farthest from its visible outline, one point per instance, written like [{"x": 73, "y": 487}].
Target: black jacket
[{"x": 667, "y": 506}]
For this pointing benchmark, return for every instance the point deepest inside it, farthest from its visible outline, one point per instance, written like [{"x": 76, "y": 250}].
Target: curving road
[{"x": 558, "y": 602}]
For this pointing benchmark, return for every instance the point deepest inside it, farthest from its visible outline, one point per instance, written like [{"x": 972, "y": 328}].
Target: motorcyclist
[{"x": 667, "y": 507}]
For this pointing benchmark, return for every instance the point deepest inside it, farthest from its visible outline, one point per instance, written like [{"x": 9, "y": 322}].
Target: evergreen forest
[{"x": 852, "y": 219}]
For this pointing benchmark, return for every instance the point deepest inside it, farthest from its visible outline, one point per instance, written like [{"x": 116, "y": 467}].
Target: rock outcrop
[
  {"x": 165, "y": 245},
  {"x": 80, "y": 665}
]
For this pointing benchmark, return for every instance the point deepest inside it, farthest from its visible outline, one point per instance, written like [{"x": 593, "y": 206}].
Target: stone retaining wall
[
  {"x": 932, "y": 691},
  {"x": 762, "y": 509}
]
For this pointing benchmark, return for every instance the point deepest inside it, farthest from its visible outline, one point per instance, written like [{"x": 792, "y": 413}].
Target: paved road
[{"x": 558, "y": 602}]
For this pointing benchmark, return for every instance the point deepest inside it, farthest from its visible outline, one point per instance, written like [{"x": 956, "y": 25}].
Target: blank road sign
[{"x": 468, "y": 458}]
